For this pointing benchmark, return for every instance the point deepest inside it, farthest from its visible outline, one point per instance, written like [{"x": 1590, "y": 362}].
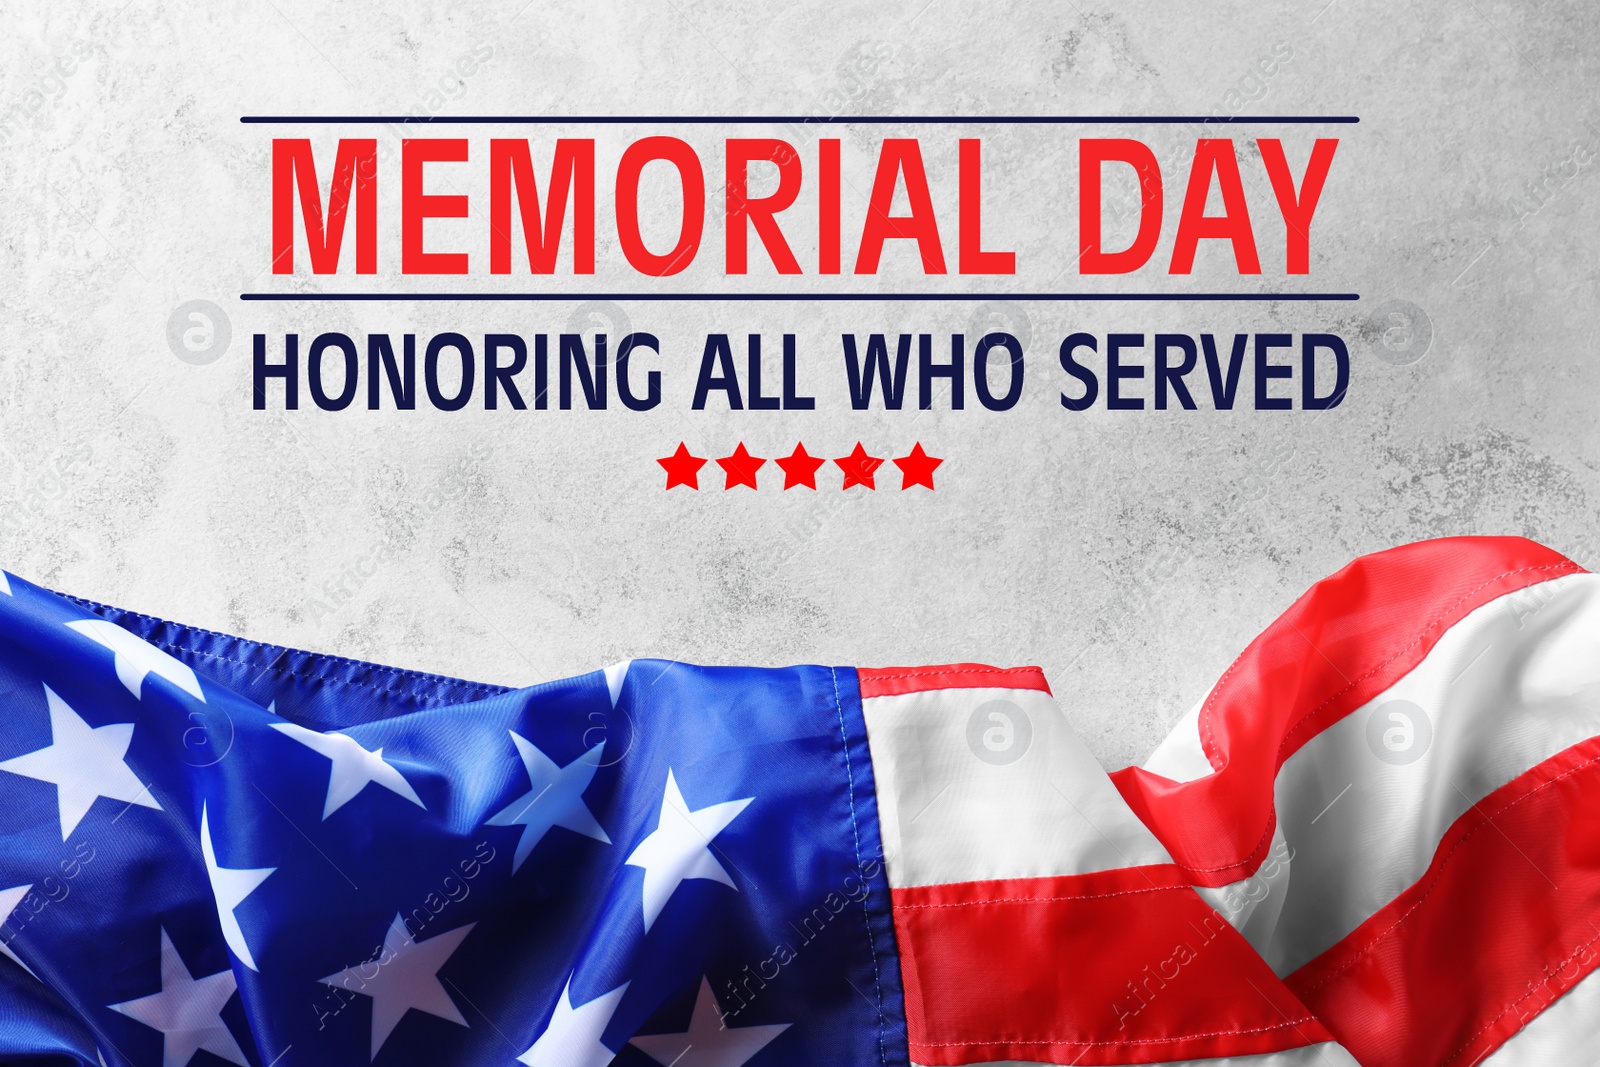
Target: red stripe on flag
[
  {"x": 1500, "y": 926},
  {"x": 1117, "y": 967},
  {"x": 896, "y": 681},
  {"x": 1349, "y": 638}
]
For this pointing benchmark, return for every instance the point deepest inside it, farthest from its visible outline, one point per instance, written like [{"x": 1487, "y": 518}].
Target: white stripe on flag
[
  {"x": 1512, "y": 684},
  {"x": 1568, "y": 1031},
  {"x": 983, "y": 784}
]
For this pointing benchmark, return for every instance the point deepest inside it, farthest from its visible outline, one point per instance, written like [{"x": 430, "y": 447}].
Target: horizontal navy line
[
  {"x": 885, "y": 297},
  {"x": 831, "y": 120}
]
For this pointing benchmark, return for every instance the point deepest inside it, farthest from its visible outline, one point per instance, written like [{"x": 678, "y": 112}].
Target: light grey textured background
[{"x": 1132, "y": 554}]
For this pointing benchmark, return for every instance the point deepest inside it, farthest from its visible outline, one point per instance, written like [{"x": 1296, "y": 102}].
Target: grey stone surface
[{"x": 1131, "y": 554}]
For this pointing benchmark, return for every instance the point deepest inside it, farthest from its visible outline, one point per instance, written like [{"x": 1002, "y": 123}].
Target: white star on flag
[
  {"x": 573, "y": 1037},
  {"x": 556, "y": 798},
  {"x": 709, "y": 1042},
  {"x": 404, "y": 975},
  {"x": 680, "y": 848},
  {"x": 230, "y": 886},
  {"x": 187, "y": 1011},
  {"x": 615, "y": 675},
  {"x": 135, "y": 657},
  {"x": 353, "y": 769},
  {"x": 9, "y": 899},
  {"x": 83, "y": 762}
]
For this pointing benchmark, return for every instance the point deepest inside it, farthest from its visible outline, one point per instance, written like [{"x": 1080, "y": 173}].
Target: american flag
[{"x": 1366, "y": 844}]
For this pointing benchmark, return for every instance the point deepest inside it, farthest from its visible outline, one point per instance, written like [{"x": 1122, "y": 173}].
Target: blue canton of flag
[{"x": 222, "y": 852}]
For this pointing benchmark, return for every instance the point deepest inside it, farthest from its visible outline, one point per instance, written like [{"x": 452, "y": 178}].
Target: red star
[
  {"x": 682, "y": 468},
  {"x": 740, "y": 467},
  {"x": 859, "y": 467},
  {"x": 799, "y": 468},
  {"x": 917, "y": 468}
]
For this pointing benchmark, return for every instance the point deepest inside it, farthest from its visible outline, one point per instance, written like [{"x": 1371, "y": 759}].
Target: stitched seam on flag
[
  {"x": 1487, "y": 821},
  {"x": 422, "y": 675},
  {"x": 1044, "y": 900},
  {"x": 1435, "y": 621},
  {"x": 964, "y": 670},
  {"x": 425, "y": 675},
  {"x": 1421, "y": 635},
  {"x": 1550, "y": 972},
  {"x": 855, "y": 828},
  {"x": 954, "y": 673},
  {"x": 1512, "y": 1005},
  {"x": 1130, "y": 1041},
  {"x": 391, "y": 691},
  {"x": 1206, "y": 716}
]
